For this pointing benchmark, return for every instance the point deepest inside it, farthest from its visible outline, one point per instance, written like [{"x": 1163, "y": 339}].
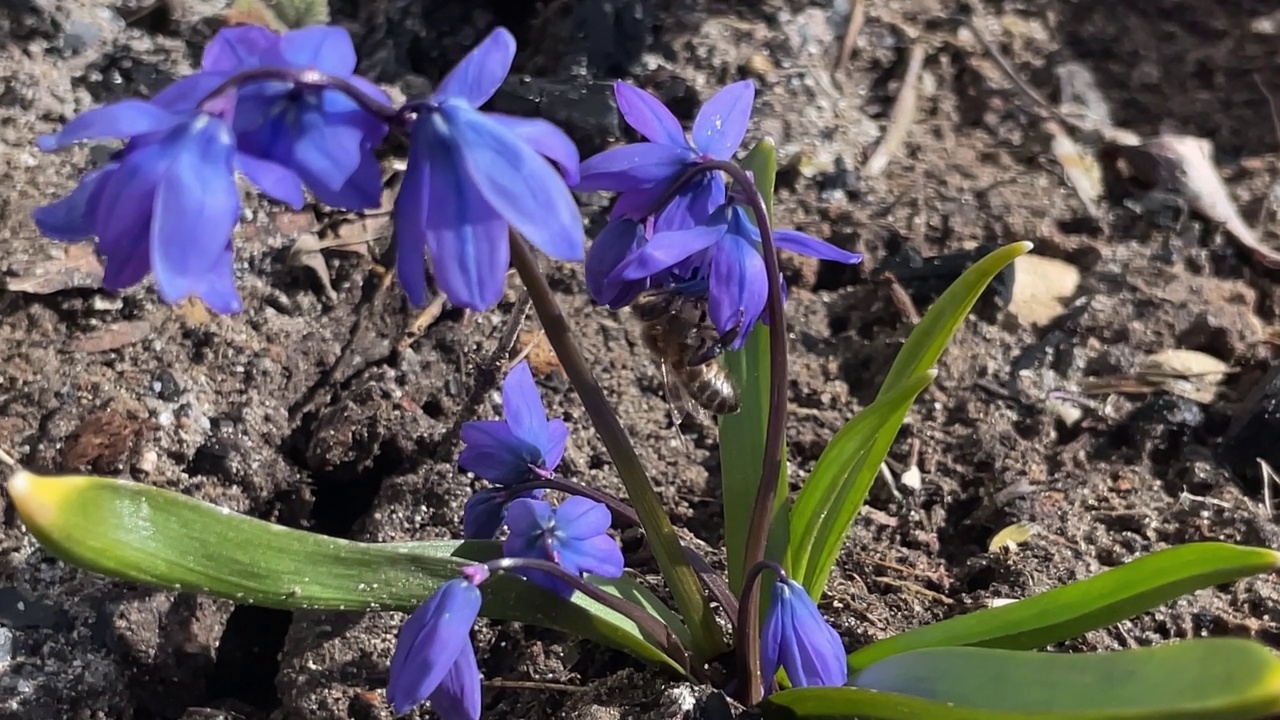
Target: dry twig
[{"x": 901, "y": 117}]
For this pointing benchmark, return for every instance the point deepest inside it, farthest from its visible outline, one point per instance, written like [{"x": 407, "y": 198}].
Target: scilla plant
[{"x": 288, "y": 113}]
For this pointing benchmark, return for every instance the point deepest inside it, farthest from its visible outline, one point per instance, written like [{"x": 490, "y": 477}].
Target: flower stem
[
  {"x": 746, "y": 620},
  {"x": 395, "y": 117},
  {"x": 676, "y": 569},
  {"x": 625, "y": 515},
  {"x": 747, "y": 638},
  {"x": 650, "y": 625}
]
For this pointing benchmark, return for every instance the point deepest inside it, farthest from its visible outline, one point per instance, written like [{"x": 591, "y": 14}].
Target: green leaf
[
  {"x": 1071, "y": 610},
  {"x": 848, "y": 476},
  {"x": 742, "y": 434},
  {"x": 1220, "y": 678},
  {"x": 142, "y": 534},
  {"x": 826, "y": 505}
]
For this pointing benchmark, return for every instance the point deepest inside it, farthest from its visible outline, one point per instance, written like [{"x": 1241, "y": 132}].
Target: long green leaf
[
  {"x": 1219, "y": 679},
  {"x": 825, "y": 507},
  {"x": 812, "y": 558},
  {"x": 742, "y": 434},
  {"x": 142, "y": 534},
  {"x": 1071, "y": 610}
]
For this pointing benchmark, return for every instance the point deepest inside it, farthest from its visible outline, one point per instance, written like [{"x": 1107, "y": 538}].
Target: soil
[{"x": 326, "y": 412}]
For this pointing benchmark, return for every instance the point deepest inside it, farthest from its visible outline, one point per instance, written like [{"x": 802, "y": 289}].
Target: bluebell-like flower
[
  {"x": 472, "y": 176},
  {"x": 730, "y": 253},
  {"x": 165, "y": 204},
  {"x": 574, "y": 535},
  {"x": 796, "y": 638},
  {"x": 320, "y": 134},
  {"x": 433, "y": 659},
  {"x": 523, "y": 447},
  {"x": 644, "y": 172}
]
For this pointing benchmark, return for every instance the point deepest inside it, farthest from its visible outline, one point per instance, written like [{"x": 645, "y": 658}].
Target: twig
[
  {"x": 534, "y": 685},
  {"x": 420, "y": 323},
  {"x": 901, "y": 117},
  {"x": 857, "y": 17},
  {"x": 912, "y": 587},
  {"x": 1268, "y": 477},
  {"x": 1275, "y": 124},
  {"x": 7, "y": 459}
]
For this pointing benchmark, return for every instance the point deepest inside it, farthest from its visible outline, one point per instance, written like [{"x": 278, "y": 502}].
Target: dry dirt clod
[
  {"x": 76, "y": 267},
  {"x": 113, "y": 337}
]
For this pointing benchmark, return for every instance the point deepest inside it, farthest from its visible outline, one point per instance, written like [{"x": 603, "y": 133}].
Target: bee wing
[{"x": 678, "y": 399}]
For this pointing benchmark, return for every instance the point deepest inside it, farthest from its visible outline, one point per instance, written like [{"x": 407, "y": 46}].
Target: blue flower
[
  {"x": 472, "y": 176},
  {"x": 796, "y": 638},
  {"x": 165, "y": 204},
  {"x": 526, "y": 446},
  {"x": 433, "y": 659},
  {"x": 728, "y": 253},
  {"x": 574, "y": 535},
  {"x": 320, "y": 134}
]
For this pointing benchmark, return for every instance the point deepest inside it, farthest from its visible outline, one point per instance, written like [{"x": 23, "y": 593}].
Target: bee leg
[{"x": 712, "y": 349}]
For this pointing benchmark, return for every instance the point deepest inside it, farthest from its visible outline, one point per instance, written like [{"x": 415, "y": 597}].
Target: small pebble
[
  {"x": 166, "y": 386},
  {"x": 6, "y": 646}
]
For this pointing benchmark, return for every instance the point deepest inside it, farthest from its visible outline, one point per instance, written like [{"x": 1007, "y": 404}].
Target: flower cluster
[
  {"x": 288, "y": 112},
  {"x": 675, "y": 227},
  {"x": 433, "y": 658}
]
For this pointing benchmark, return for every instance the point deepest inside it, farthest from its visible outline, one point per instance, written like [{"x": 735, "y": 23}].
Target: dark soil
[{"x": 323, "y": 413}]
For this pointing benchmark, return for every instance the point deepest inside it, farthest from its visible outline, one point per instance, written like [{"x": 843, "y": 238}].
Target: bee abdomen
[{"x": 712, "y": 389}]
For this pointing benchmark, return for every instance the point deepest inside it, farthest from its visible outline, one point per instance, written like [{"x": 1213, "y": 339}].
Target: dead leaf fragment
[
  {"x": 1042, "y": 286},
  {"x": 306, "y": 253},
  {"x": 1188, "y": 373},
  {"x": 76, "y": 268},
  {"x": 1008, "y": 539},
  {"x": 113, "y": 337}
]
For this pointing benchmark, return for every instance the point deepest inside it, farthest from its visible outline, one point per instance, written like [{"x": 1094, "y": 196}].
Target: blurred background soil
[{"x": 324, "y": 406}]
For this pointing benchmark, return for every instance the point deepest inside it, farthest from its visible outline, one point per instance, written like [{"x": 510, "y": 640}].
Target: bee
[{"x": 683, "y": 342}]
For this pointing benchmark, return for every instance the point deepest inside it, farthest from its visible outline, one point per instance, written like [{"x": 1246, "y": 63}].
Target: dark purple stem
[
  {"x": 625, "y": 515},
  {"x": 747, "y": 641},
  {"x": 650, "y": 625},
  {"x": 395, "y": 117},
  {"x": 746, "y": 620}
]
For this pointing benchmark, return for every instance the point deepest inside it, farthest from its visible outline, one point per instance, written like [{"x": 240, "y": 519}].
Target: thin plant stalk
[{"x": 676, "y": 568}]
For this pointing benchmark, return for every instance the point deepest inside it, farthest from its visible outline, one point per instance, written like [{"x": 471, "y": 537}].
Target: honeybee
[{"x": 683, "y": 342}]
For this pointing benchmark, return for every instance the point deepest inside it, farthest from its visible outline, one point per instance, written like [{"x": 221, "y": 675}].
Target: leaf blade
[
  {"x": 134, "y": 532},
  {"x": 1098, "y": 601},
  {"x": 1217, "y": 678},
  {"x": 918, "y": 354}
]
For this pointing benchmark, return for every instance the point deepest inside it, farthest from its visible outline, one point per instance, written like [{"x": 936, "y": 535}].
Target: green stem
[{"x": 678, "y": 572}]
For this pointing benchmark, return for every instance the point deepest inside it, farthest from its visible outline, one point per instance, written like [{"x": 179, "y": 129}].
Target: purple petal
[
  {"x": 619, "y": 239},
  {"x": 124, "y": 119},
  {"x": 722, "y": 121},
  {"x": 580, "y": 518},
  {"x": 477, "y": 77},
  {"x": 810, "y": 650},
  {"x": 598, "y": 555},
  {"x": 410, "y": 227},
  {"x": 430, "y": 642},
  {"x": 522, "y": 407},
  {"x": 273, "y": 179},
  {"x": 483, "y": 513},
  {"x": 123, "y": 215},
  {"x": 197, "y": 206},
  {"x": 458, "y": 695},
  {"x": 634, "y": 166},
  {"x": 771, "y": 638},
  {"x": 546, "y": 139},
  {"x": 519, "y": 184},
  {"x": 527, "y": 519},
  {"x": 667, "y": 249},
  {"x": 639, "y": 203},
  {"x": 494, "y": 453},
  {"x": 693, "y": 205},
  {"x": 371, "y": 89},
  {"x": 798, "y": 242},
  {"x": 74, "y": 217},
  {"x": 326, "y": 154},
  {"x": 219, "y": 291},
  {"x": 466, "y": 238},
  {"x": 237, "y": 48},
  {"x": 184, "y": 94},
  {"x": 738, "y": 288},
  {"x": 557, "y": 438},
  {"x": 648, "y": 116},
  {"x": 326, "y": 48}
]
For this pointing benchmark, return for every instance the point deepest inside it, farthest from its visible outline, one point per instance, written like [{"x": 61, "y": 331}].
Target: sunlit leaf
[
  {"x": 1099, "y": 601},
  {"x": 142, "y": 534},
  {"x": 1220, "y": 679},
  {"x": 825, "y": 507},
  {"x": 742, "y": 434},
  {"x": 843, "y": 477}
]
